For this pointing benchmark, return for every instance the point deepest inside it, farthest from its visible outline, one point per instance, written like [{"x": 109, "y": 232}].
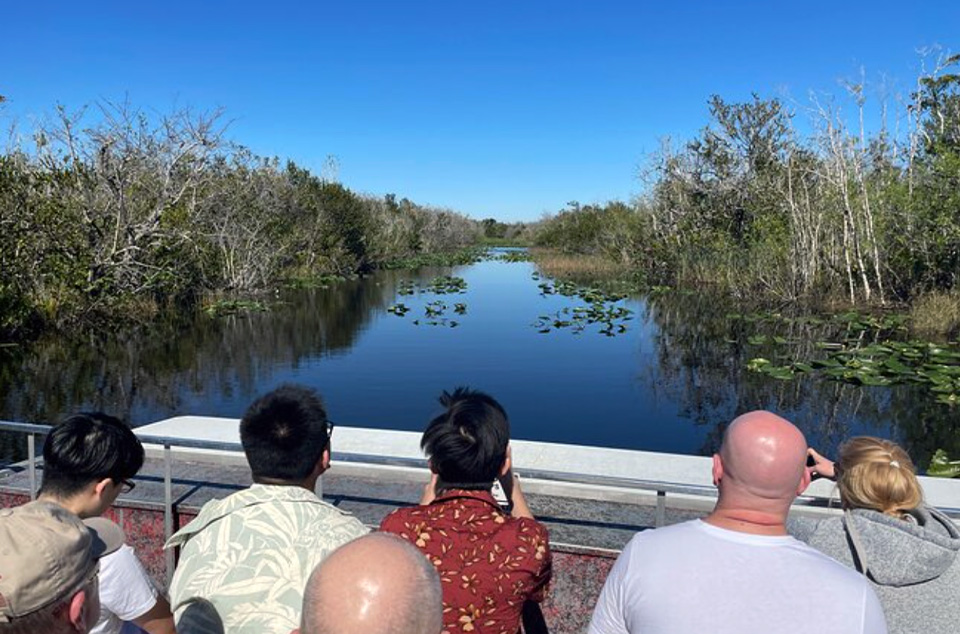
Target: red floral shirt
[{"x": 489, "y": 562}]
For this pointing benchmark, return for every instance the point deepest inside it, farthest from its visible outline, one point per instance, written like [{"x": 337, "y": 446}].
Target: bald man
[
  {"x": 737, "y": 570},
  {"x": 377, "y": 584}
]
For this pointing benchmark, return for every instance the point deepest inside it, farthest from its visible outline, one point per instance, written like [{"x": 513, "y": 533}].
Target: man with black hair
[
  {"x": 249, "y": 555},
  {"x": 88, "y": 460},
  {"x": 491, "y": 562}
]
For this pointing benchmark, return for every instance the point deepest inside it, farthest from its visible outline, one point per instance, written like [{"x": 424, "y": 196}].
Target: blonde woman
[{"x": 909, "y": 551}]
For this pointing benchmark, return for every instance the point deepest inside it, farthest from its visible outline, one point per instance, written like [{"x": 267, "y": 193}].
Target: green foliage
[
  {"x": 756, "y": 210},
  {"x": 108, "y": 218},
  {"x": 942, "y": 467}
]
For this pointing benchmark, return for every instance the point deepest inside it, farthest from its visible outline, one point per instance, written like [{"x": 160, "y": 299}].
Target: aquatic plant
[
  {"x": 601, "y": 308},
  {"x": 876, "y": 364},
  {"x": 224, "y": 307}
]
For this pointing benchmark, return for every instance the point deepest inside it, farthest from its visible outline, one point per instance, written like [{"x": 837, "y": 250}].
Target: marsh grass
[
  {"x": 579, "y": 268},
  {"x": 936, "y": 313}
]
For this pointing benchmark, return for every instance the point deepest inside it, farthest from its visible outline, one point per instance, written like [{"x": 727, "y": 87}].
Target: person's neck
[
  {"x": 73, "y": 504},
  {"x": 277, "y": 482},
  {"x": 748, "y": 521}
]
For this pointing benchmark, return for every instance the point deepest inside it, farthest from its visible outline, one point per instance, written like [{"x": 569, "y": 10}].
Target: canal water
[{"x": 660, "y": 373}]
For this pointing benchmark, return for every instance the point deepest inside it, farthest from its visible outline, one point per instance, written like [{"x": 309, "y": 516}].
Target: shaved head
[
  {"x": 763, "y": 459},
  {"x": 376, "y": 584}
]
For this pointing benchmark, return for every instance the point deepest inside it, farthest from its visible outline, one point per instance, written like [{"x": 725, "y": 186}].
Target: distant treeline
[
  {"x": 759, "y": 210},
  {"x": 119, "y": 213}
]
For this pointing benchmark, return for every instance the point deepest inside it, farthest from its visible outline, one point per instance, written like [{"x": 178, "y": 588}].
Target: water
[{"x": 669, "y": 383}]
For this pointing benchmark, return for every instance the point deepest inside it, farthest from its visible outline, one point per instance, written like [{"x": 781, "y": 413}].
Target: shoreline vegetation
[
  {"x": 111, "y": 215},
  {"x": 760, "y": 213}
]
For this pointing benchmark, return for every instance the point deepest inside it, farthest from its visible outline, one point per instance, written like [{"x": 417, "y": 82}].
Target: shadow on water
[
  {"x": 154, "y": 370},
  {"x": 702, "y": 366},
  {"x": 671, "y": 382}
]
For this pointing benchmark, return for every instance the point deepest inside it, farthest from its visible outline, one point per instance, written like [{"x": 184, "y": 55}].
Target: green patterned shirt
[{"x": 250, "y": 554}]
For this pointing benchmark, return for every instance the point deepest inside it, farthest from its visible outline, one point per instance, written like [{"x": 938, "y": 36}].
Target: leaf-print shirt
[
  {"x": 251, "y": 553},
  {"x": 489, "y": 562}
]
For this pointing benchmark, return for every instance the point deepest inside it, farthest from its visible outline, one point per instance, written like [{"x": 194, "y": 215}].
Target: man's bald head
[
  {"x": 763, "y": 456},
  {"x": 376, "y": 584}
]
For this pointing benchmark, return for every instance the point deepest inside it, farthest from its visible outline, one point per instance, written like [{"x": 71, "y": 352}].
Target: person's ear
[
  {"x": 100, "y": 487},
  {"x": 805, "y": 480},
  {"x": 325, "y": 459},
  {"x": 77, "y": 611},
  {"x": 717, "y": 469},
  {"x": 507, "y": 463}
]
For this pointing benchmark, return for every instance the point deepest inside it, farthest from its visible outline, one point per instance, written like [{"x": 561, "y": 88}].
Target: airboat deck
[{"x": 593, "y": 499}]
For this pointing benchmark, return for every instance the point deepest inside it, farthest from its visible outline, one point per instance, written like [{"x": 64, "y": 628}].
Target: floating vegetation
[
  {"x": 469, "y": 255},
  {"x": 942, "y": 467},
  {"x": 852, "y": 321},
  {"x": 435, "y": 311},
  {"x": 224, "y": 307},
  {"x": 601, "y": 308},
  {"x": 446, "y": 284},
  {"x": 514, "y": 256},
  {"x": 442, "y": 285},
  {"x": 320, "y": 281},
  {"x": 878, "y": 364}
]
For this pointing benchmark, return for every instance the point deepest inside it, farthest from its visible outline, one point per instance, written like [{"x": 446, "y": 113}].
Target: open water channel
[{"x": 662, "y": 372}]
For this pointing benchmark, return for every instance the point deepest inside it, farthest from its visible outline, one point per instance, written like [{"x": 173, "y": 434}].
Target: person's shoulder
[
  {"x": 826, "y": 565},
  {"x": 122, "y": 557},
  {"x": 395, "y": 518}
]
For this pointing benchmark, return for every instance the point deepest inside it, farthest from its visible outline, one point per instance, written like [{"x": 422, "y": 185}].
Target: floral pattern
[
  {"x": 489, "y": 563},
  {"x": 251, "y": 553}
]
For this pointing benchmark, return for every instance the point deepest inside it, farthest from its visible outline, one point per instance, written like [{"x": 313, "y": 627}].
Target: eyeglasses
[
  {"x": 127, "y": 486},
  {"x": 329, "y": 429}
]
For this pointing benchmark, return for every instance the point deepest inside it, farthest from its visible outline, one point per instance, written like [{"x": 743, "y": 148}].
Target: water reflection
[
  {"x": 670, "y": 383},
  {"x": 150, "y": 371},
  {"x": 702, "y": 357}
]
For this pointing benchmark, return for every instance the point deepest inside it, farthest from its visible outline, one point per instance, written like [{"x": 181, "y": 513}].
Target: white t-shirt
[
  {"x": 696, "y": 577},
  {"x": 126, "y": 592}
]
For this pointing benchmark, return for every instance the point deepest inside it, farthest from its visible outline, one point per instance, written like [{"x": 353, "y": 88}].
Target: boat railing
[{"x": 661, "y": 489}]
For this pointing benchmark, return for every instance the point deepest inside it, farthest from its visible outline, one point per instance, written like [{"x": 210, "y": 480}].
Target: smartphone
[{"x": 499, "y": 495}]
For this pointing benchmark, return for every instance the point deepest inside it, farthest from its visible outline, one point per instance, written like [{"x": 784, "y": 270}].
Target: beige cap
[{"x": 46, "y": 554}]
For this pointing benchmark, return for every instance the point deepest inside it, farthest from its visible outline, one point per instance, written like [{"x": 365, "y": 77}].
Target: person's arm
[
  {"x": 609, "y": 613},
  {"x": 874, "y": 621},
  {"x": 822, "y": 466},
  {"x": 158, "y": 619},
  {"x": 511, "y": 487}
]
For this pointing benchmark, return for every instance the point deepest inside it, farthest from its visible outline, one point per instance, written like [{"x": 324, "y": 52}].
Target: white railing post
[
  {"x": 32, "y": 466},
  {"x": 661, "y": 513},
  {"x": 168, "y": 511}
]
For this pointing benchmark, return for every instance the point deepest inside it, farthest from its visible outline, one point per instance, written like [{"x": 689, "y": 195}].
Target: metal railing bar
[
  {"x": 168, "y": 511},
  {"x": 32, "y": 457},
  {"x": 419, "y": 463}
]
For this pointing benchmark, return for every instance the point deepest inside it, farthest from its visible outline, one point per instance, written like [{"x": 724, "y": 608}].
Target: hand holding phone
[{"x": 820, "y": 466}]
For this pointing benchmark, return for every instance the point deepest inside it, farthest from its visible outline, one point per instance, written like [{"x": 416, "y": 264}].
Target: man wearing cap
[
  {"x": 49, "y": 560},
  {"x": 88, "y": 460}
]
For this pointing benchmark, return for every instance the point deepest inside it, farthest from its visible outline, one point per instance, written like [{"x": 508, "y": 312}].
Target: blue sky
[{"x": 503, "y": 109}]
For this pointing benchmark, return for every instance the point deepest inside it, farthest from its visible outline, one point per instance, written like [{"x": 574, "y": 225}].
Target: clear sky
[{"x": 503, "y": 109}]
